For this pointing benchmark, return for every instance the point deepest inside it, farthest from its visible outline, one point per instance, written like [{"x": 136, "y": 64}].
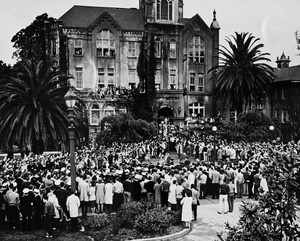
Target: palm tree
[
  {"x": 243, "y": 77},
  {"x": 32, "y": 107}
]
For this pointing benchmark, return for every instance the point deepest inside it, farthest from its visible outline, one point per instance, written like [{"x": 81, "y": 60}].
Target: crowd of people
[{"x": 36, "y": 190}]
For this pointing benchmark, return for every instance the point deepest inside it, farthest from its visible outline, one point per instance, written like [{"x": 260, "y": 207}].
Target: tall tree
[
  {"x": 32, "y": 107},
  {"x": 30, "y": 42},
  {"x": 243, "y": 76},
  {"x": 144, "y": 96}
]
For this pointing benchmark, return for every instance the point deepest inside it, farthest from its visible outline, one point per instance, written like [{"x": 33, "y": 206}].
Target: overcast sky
[{"x": 273, "y": 21}]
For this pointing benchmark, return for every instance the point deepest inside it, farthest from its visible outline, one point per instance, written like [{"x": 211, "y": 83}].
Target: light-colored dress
[
  {"x": 157, "y": 193},
  {"x": 187, "y": 213},
  {"x": 99, "y": 193},
  {"x": 109, "y": 192}
]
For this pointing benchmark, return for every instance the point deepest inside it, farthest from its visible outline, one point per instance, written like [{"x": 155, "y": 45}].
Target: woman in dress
[
  {"x": 187, "y": 213},
  {"x": 100, "y": 195},
  {"x": 92, "y": 197}
]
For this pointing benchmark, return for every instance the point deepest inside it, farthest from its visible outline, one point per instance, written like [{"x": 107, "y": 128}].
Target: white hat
[{"x": 25, "y": 190}]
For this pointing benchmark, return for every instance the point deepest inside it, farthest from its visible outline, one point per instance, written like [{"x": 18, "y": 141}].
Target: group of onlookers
[{"x": 36, "y": 189}]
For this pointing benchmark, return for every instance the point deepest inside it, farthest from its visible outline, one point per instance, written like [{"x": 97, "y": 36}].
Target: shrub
[
  {"x": 176, "y": 217},
  {"x": 97, "y": 222},
  {"x": 155, "y": 220},
  {"x": 127, "y": 215}
]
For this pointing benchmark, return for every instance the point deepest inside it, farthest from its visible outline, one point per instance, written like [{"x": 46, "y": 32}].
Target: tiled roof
[
  {"x": 84, "y": 16},
  {"x": 287, "y": 74}
]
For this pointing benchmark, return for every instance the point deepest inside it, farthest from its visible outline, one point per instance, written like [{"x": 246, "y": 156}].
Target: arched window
[
  {"x": 172, "y": 49},
  {"x": 94, "y": 115},
  {"x": 109, "y": 110},
  {"x": 105, "y": 44},
  {"x": 197, "y": 50},
  {"x": 197, "y": 109},
  {"x": 164, "y": 10}
]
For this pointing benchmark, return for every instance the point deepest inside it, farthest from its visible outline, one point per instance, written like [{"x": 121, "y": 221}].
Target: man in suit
[{"x": 73, "y": 204}]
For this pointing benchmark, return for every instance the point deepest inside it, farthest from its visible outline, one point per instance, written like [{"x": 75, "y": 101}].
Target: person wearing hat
[{"x": 26, "y": 204}]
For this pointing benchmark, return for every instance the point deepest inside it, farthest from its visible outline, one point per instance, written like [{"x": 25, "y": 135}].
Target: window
[
  {"x": 284, "y": 116},
  {"x": 157, "y": 48},
  {"x": 201, "y": 82},
  {"x": 109, "y": 110},
  {"x": 79, "y": 81},
  {"x": 172, "y": 49},
  {"x": 157, "y": 79},
  {"x": 131, "y": 49},
  {"x": 276, "y": 94},
  {"x": 105, "y": 44},
  {"x": 53, "y": 47},
  {"x": 233, "y": 116},
  {"x": 283, "y": 94},
  {"x": 197, "y": 50},
  {"x": 157, "y": 86},
  {"x": 111, "y": 77},
  {"x": 192, "y": 81},
  {"x": 78, "y": 47},
  {"x": 131, "y": 82},
  {"x": 276, "y": 114},
  {"x": 122, "y": 109},
  {"x": 101, "y": 78},
  {"x": 197, "y": 109},
  {"x": 95, "y": 115},
  {"x": 172, "y": 79},
  {"x": 164, "y": 10}
]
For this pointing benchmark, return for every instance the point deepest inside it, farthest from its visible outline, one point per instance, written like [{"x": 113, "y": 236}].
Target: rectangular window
[
  {"x": 276, "y": 94},
  {"x": 202, "y": 54},
  {"x": 101, "y": 78},
  {"x": 131, "y": 81},
  {"x": 170, "y": 10},
  {"x": 284, "y": 115},
  {"x": 283, "y": 94},
  {"x": 111, "y": 76},
  {"x": 201, "y": 82},
  {"x": 53, "y": 47},
  {"x": 276, "y": 114},
  {"x": 78, "y": 47},
  {"x": 131, "y": 49},
  {"x": 172, "y": 50},
  {"x": 79, "y": 80},
  {"x": 158, "y": 49},
  {"x": 192, "y": 81},
  {"x": 172, "y": 79}
]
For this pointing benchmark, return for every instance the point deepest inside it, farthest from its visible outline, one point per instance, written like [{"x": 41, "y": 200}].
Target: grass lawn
[{"x": 40, "y": 235}]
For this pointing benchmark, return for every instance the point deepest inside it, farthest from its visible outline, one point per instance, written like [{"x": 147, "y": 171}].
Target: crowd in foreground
[{"x": 36, "y": 190}]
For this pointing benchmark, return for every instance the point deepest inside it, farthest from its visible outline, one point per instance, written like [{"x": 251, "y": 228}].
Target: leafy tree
[
  {"x": 273, "y": 217},
  {"x": 250, "y": 126},
  {"x": 5, "y": 69},
  {"x": 32, "y": 107},
  {"x": 243, "y": 76},
  {"x": 30, "y": 42},
  {"x": 124, "y": 128}
]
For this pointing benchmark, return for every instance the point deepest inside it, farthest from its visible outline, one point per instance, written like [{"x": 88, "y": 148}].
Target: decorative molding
[
  {"x": 196, "y": 23},
  {"x": 105, "y": 17}
]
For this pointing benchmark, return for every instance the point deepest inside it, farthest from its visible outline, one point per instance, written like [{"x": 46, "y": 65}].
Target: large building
[{"x": 100, "y": 48}]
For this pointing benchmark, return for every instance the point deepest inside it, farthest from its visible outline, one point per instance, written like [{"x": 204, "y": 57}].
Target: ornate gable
[
  {"x": 105, "y": 17},
  {"x": 197, "y": 24}
]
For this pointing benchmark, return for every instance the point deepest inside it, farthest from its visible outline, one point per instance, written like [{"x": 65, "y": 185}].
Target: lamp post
[
  {"x": 214, "y": 129},
  {"x": 271, "y": 129},
  {"x": 70, "y": 99}
]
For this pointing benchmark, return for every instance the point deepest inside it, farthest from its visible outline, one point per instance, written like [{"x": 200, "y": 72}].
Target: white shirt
[{"x": 73, "y": 203}]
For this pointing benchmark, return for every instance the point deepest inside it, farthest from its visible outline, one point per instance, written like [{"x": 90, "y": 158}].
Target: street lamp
[
  {"x": 271, "y": 129},
  {"x": 214, "y": 129},
  {"x": 70, "y": 99}
]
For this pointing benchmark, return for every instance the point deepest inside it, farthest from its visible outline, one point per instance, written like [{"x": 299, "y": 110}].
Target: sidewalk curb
[{"x": 168, "y": 237}]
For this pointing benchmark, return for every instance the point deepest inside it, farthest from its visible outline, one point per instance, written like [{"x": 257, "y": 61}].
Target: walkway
[{"x": 210, "y": 223}]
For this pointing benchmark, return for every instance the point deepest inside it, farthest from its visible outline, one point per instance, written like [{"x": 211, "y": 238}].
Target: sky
[{"x": 274, "y": 22}]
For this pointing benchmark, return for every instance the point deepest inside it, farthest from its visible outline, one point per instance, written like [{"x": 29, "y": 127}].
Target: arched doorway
[{"x": 165, "y": 112}]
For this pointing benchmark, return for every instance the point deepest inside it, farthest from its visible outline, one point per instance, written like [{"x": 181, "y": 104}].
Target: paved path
[{"x": 210, "y": 223}]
